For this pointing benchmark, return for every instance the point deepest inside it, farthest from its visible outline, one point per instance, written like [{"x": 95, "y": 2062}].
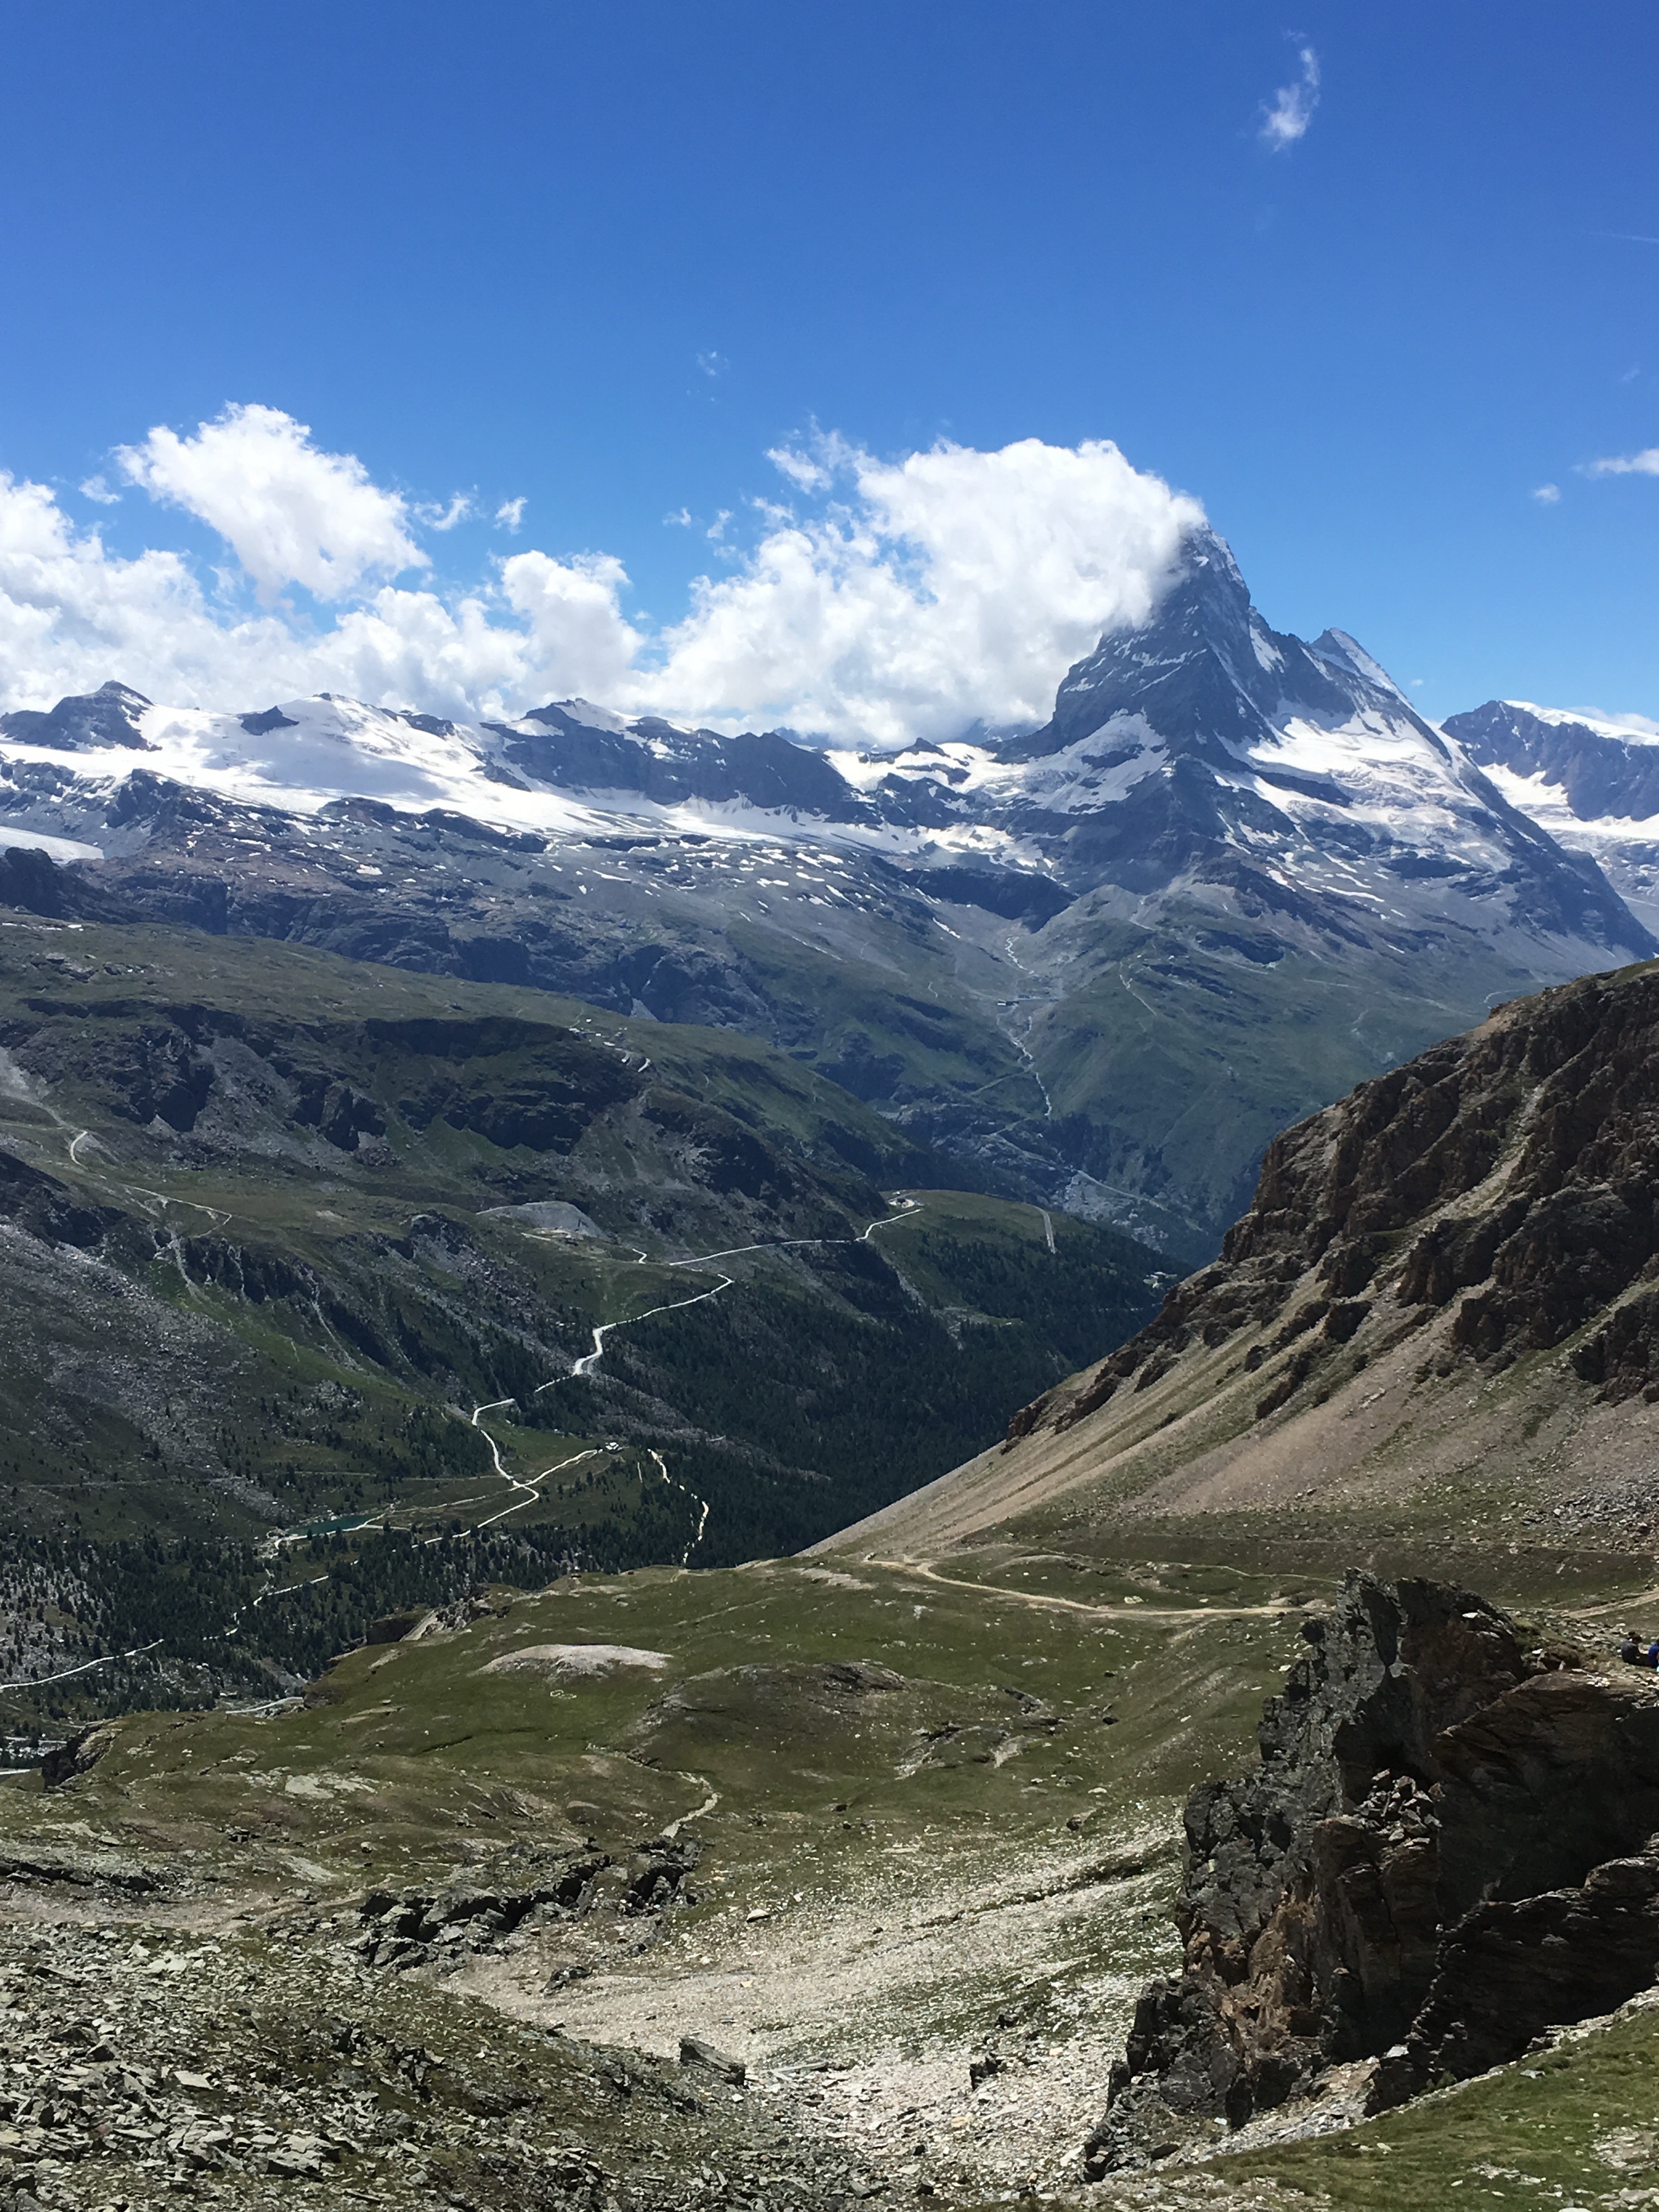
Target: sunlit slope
[
  {"x": 921, "y": 1813},
  {"x": 1432, "y": 1331}
]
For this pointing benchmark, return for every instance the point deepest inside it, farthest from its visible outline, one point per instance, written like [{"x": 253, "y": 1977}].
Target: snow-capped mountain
[
  {"x": 1594, "y": 785},
  {"x": 1100, "y": 964}
]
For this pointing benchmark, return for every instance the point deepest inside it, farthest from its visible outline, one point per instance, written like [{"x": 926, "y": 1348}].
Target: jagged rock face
[
  {"x": 1241, "y": 757},
  {"x": 1511, "y": 1174},
  {"x": 1451, "y": 1843},
  {"x": 1602, "y": 771},
  {"x": 108, "y": 716}
]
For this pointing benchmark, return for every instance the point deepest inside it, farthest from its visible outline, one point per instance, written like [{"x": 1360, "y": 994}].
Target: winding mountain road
[
  {"x": 926, "y": 1572},
  {"x": 901, "y": 1206}
]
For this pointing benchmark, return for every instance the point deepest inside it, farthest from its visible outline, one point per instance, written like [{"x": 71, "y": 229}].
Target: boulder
[{"x": 694, "y": 2052}]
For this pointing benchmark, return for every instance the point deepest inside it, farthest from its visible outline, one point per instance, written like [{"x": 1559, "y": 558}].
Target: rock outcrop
[{"x": 1452, "y": 1843}]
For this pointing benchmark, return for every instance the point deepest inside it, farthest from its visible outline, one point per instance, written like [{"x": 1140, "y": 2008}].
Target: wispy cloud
[
  {"x": 1640, "y": 725},
  {"x": 510, "y": 514},
  {"x": 1287, "y": 120},
  {"x": 1644, "y": 464},
  {"x": 95, "y": 488},
  {"x": 713, "y": 364},
  {"x": 1548, "y": 494},
  {"x": 445, "y": 518},
  {"x": 682, "y": 519},
  {"x": 813, "y": 465}
]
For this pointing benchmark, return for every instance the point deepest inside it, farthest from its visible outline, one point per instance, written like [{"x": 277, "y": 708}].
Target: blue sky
[{"x": 603, "y": 260}]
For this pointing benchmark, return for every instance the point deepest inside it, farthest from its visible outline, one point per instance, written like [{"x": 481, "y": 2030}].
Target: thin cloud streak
[{"x": 1644, "y": 464}]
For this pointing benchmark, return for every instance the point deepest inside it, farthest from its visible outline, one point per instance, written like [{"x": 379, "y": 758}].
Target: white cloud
[
  {"x": 893, "y": 600},
  {"x": 713, "y": 364},
  {"x": 1548, "y": 494},
  {"x": 579, "y": 642},
  {"x": 1640, "y": 725},
  {"x": 291, "y": 513},
  {"x": 510, "y": 514},
  {"x": 924, "y": 593},
  {"x": 1645, "y": 464},
  {"x": 445, "y": 518},
  {"x": 95, "y": 489},
  {"x": 72, "y": 614},
  {"x": 1293, "y": 106}
]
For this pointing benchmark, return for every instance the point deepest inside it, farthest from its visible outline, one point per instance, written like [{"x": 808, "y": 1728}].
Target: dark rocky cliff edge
[{"x": 1452, "y": 1843}]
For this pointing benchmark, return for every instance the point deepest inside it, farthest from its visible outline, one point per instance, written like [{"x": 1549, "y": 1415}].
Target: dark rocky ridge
[
  {"x": 1510, "y": 1176},
  {"x": 1593, "y": 785},
  {"x": 1449, "y": 1846},
  {"x": 107, "y": 716}
]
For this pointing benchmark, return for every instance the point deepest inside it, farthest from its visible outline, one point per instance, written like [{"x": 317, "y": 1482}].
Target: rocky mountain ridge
[
  {"x": 1099, "y": 965},
  {"x": 1441, "y": 1304},
  {"x": 1593, "y": 785}
]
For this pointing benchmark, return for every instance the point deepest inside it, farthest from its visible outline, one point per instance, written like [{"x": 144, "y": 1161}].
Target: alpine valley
[{"x": 675, "y": 1401}]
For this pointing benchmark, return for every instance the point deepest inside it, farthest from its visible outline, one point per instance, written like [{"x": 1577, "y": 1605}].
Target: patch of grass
[{"x": 1575, "y": 2125}]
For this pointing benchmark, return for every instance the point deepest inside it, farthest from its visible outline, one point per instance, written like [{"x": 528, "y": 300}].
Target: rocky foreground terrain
[
  {"x": 1451, "y": 1846},
  {"x": 151, "y": 2058},
  {"x": 319, "y": 1956}
]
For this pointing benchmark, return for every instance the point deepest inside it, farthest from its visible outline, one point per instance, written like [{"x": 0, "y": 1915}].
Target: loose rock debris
[{"x": 143, "y": 2064}]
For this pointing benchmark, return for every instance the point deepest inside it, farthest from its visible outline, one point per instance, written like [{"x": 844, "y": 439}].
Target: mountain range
[
  {"x": 1097, "y": 965},
  {"x": 1593, "y": 784}
]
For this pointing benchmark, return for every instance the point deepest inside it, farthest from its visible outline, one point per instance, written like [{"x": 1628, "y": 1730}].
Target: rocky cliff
[{"x": 1449, "y": 1846}]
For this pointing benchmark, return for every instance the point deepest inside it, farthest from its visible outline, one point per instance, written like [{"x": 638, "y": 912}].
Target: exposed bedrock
[{"x": 1452, "y": 1843}]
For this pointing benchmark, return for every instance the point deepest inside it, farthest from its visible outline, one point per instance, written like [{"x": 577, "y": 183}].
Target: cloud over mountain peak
[{"x": 879, "y": 599}]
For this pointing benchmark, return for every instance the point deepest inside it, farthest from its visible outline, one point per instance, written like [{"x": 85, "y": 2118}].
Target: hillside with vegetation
[
  {"x": 305, "y": 1260},
  {"x": 805, "y": 1880}
]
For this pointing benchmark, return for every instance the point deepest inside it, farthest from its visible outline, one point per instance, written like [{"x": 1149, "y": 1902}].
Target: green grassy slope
[
  {"x": 1173, "y": 1052},
  {"x": 265, "y": 1252}
]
